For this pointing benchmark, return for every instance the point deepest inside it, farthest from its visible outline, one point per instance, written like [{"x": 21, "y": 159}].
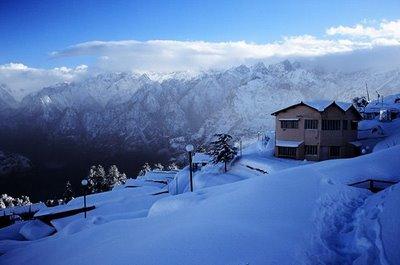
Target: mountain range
[{"x": 155, "y": 116}]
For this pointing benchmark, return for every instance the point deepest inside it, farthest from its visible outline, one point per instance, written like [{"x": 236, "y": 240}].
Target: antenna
[{"x": 366, "y": 88}]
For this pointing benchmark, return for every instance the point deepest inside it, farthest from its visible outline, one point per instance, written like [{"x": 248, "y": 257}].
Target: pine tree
[
  {"x": 221, "y": 149},
  {"x": 97, "y": 179},
  {"x": 158, "y": 166},
  {"x": 172, "y": 166},
  {"x": 68, "y": 192},
  {"x": 360, "y": 103},
  {"x": 145, "y": 168},
  {"x": 114, "y": 177}
]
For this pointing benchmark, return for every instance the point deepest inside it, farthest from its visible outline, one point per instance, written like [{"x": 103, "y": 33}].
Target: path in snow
[{"x": 348, "y": 231}]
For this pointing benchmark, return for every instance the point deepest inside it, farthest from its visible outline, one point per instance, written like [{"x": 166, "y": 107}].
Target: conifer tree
[
  {"x": 68, "y": 192},
  {"x": 222, "y": 149},
  {"x": 97, "y": 179},
  {"x": 145, "y": 168},
  {"x": 114, "y": 177}
]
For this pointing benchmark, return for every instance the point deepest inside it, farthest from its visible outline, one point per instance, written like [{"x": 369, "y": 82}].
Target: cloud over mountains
[{"x": 364, "y": 41}]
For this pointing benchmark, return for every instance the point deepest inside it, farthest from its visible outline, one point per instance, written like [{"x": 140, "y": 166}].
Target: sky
[{"x": 65, "y": 39}]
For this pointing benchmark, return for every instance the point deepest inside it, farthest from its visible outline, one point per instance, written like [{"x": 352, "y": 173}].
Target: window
[
  {"x": 334, "y": 151},
  {"x": 332, "y": 125},
  {"x": 311, "y": 150},
  {"x": 287, "y": 151},
  {"x": 311, "y": 124},
  {"x": 354, "y": 125},
  {"x": 344, "y": 124},
  {"x": 290, "y": 124}
]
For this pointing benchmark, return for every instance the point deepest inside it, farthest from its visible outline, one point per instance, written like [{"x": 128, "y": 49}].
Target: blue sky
[{"x": 31, "y": 30}]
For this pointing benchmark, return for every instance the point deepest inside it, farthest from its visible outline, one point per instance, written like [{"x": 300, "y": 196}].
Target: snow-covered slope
[
  {"x": 130, "y": 111},
  {"x": 301, "y": 215}
]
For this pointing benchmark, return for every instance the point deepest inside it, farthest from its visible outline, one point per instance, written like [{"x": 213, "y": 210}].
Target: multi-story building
[{"x": 317, "y": 130}]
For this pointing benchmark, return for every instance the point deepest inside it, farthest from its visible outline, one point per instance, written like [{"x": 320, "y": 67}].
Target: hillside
[{"x": 302, "y": 213}]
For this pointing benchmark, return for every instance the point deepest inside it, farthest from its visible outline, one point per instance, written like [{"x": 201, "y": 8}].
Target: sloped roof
[
  {"x": 201, "y": 158},
  {"x": 284, "y": 143},
  {"x": 319, "y": 105}
]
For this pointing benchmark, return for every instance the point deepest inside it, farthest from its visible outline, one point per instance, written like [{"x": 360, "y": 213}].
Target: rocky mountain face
[
  {"x": 119, "y": 112},
  {"x": 11, "y": 163},
  {"x": 129, "y": 119}
]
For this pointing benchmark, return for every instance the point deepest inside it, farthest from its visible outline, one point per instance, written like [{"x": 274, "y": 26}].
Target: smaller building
[{"x": 200, "y": 160}]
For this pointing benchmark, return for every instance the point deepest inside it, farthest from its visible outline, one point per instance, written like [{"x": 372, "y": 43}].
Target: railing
[{"x": 373, "y": 185}]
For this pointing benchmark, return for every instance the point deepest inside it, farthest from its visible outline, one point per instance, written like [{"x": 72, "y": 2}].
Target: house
[
  {"x": 317, "y": 130},
  {"x": 200, "y": 160}
]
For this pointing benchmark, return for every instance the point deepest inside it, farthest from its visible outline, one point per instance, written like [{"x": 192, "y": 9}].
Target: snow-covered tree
[
  {"x": 68, "y": 192},
  {"x": 158, "y": 166},
  {"x": 97, "y": 179},
  {"x": 145, "y": 168},
  {"x": 360, "y": 103},
  {"x": 222, "y": 149},
  {"x": 172, "y": 166},
  {"x": 7, "y": 201},
  {"x": 114, "y": 177}
]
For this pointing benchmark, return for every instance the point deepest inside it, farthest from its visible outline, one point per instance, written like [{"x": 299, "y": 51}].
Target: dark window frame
[
  {"x": 354, "y": 125},
  {"x": 289, "y": 124},
  {"x": 287, "y": 151},
  {"x": 311, "y": 150},
  {"x": 310, "y": 124},
  {"x": 331, "y": 125}
]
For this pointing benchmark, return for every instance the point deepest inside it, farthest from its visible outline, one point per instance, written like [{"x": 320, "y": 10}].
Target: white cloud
[
  {"x": 365, "y": 41},
  {"x": 21, "y": 79},
  {"x": 171, "y": 55},
  {"x": 386, "y": 30}
]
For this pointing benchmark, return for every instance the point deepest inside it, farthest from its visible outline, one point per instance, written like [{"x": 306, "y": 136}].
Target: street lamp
[
  {"x": 189, "y": 149},
  {"x": 84, "y": 183}
]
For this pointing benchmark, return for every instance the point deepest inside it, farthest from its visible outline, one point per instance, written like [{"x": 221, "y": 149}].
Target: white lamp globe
[
  {"x": 189, "y": 148},
  {"x": 84, "y": 182},
  {"x": 363, "y": 151}
]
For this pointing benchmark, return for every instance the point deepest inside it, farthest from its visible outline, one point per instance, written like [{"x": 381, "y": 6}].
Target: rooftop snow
[
  {"x": 321, "y": 105},
  {"x": 201, "y": 158},
  {"x": 288, "y": 143}
]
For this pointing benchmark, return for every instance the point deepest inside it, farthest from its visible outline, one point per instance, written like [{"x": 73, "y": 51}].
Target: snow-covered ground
[{"x": 286, "y": 212}]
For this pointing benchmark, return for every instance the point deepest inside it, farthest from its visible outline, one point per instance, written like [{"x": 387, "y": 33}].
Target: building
[{"x": 317, "y": 130}]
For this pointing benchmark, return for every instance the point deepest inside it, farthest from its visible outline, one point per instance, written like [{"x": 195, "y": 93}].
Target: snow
[
  {"x": 288, "y": 143},
  {"x": 304, "y": 214},
  {"x": 321, "y": 105},
  {"x": 12, "y": 232},
  {"x": 199, "y": 158},
  {"x": 36, "y": 229},
  {"x": 35, "y": 207},
  {"x": 295, "y": 119}
]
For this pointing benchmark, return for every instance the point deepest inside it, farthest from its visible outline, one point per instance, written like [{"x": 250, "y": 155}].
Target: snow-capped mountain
[{"x": 127, "y": 111}]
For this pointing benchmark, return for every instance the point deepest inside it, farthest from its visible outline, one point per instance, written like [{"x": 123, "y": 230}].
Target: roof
[
  {"x": 356, "y": 143},
  {"x": 320, "y": 105},
  {"x": 159, "y": 175},
  {"x": 201, "y": 158},
  {"x": 283, "y": 143}
]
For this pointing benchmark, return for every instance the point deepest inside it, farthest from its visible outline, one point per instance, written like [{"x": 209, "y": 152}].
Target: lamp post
[
  {"x": 84, "y": 183},
  {"x": 189, "y": 149}
]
